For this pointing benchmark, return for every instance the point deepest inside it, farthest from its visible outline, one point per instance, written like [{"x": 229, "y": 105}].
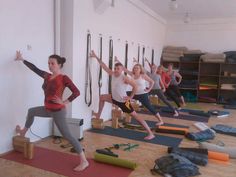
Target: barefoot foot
[
  {"x": 149, "y": 137},
  {"x": 95, "y": 115},
  {"x": 82, "y": 166},
  {"x": 159, "y": 123},
  {"x": 176, "y": 114}
]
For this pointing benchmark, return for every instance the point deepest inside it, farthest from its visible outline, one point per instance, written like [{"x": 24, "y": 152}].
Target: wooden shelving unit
[{"x": 210, "y": 77}]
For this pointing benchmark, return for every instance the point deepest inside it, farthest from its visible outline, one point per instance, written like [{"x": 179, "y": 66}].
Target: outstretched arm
[
  {"x": 31, "y": 66},
  {"x": 149, "y": 64},
  {"x": 103, "y": 65},
  {"x": 124, "y": 68}
]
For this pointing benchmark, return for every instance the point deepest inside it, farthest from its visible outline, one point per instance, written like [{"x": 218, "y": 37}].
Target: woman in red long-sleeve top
[{"x": 53, "y": 87}]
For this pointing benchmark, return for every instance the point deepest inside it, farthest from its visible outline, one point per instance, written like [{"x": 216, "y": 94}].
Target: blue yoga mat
[
  {"x": 153, "y": 124},
  {"x": 139, "y": 136},
  {"x": 181, "y": 116}
]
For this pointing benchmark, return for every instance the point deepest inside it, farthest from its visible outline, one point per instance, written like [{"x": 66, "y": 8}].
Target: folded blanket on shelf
[
  {"x": 228, "y": 86},
  {"x": 193, "y": 52},
  {"x": 213, "y": 56},
  {"x": 213, "y": 60},
  {"x": 230, "y": 54}
]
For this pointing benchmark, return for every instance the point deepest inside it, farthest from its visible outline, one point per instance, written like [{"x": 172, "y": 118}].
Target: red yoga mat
[{"x": 63, "y": 164}]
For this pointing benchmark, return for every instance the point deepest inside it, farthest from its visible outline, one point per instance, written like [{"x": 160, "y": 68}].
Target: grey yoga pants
[{"x": 59, "y": 117}]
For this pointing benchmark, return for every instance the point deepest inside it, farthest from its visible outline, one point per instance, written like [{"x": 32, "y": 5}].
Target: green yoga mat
[
  {"x": 139, "y": 136},
  {"x": 114, "y": 161}
]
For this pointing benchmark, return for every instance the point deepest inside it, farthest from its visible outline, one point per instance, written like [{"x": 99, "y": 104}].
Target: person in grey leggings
[
  {"x": 158, "y": 84},
  {"x": 53, "y": 87}
]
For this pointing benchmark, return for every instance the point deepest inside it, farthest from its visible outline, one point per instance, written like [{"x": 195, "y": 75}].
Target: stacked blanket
[
  {"x": 230, "y": 56},
  {"x": 171, "y": 53},
  {"x": 213, "y": 57}
]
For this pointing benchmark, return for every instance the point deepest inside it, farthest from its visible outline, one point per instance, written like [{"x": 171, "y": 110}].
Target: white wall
[
  {"x": 125, "y": 22},
  {"x": 25, "y": 22},
  {"x": 216, "y": 35}
]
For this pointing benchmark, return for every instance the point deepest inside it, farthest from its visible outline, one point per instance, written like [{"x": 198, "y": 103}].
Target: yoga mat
[
  {"x": 181, "y": 116},
  {"x": 139, "y": 136},
  {"x": 153, "y": 124},
  {"x": 114, "y": 161},
  {"x": 63, "y": 164}
]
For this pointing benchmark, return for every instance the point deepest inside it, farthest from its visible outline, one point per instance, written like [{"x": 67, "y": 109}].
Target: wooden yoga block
[
  {"x": 97, "y": 123},
  {"x": 135, "y": 105},
  {"x": 116, "y": 113},
  {"x": 127, "y": 118},
  {"x": 115, "y": 123},
  {"x": 154, "y": 100},
  {"x": 23, "y": 145}
]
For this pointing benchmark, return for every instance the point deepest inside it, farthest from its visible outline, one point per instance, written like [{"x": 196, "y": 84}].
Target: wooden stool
[
  {"x": 97, "y": 123},
  {"x": 23, "y": 144}
]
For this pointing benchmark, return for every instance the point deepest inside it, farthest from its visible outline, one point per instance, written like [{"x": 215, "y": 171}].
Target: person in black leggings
[
  {"x": 141, "y": 94},
  {"x": 159, "y": 87},
  {"x": 175, "y": 79}
]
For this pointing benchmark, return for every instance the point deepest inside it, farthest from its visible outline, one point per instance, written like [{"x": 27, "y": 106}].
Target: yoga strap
[
  {"x": 138, "y": 52},
  {"x": 126, "y": 56},
  {"x": 88, "y": 77},
  {"x": 143, "y": 55},
  {"x": 152, "y": 56},
  {"x": 110, "y": 63},
  {"x": 100, "y": 68}
]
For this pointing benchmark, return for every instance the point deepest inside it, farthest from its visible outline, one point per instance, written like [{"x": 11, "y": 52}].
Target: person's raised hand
[
  {"x": 93, "y": 55},
  {"x": 18, "y": 56}
]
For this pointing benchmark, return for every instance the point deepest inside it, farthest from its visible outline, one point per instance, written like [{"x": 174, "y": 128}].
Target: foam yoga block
[
  {"x": 114, "y": 161},
  {"x": 213, "y": 147}
]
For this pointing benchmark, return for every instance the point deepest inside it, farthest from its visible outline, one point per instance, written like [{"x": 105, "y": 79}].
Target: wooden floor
[{"x": 145, "y": 155}]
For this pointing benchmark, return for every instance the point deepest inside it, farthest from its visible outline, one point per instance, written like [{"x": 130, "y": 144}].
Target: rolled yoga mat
[
  {"x": 218, "y": 156},
  {"x": 114, "y": 161},
  {"x": 213, "y": 147}
]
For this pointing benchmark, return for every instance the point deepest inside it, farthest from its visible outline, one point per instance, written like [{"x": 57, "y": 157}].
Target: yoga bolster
[
  {"x": 185, "y": 130},
  {"x": 177, "y": 132},
  {"x": 218, "y": 156},
  {"x": 114, "y": 161},
  {"x": 213, "y": 147}
]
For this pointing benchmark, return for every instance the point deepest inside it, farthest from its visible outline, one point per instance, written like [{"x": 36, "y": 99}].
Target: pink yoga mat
[{"x": 63, "y": 164}]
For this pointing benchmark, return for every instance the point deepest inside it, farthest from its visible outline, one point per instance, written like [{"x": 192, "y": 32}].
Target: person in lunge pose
[
  {"x": 174, "y": 83},
  {"x": 119, "y": 97},
  {"x": 159, "y": 87},
  {"x": 54, "y": 84},
  {"x": 141, "y": 94}
]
